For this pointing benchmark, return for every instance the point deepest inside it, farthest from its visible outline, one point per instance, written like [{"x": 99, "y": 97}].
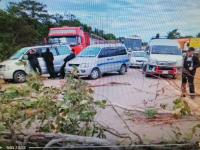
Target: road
[{"x": 134, "y": 91}]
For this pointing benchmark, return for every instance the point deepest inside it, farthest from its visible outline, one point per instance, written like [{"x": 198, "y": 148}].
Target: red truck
[{"x": 73, "y": 36}]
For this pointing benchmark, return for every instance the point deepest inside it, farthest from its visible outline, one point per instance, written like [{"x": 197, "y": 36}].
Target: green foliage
[
  {"x": 181, "y": 108},
  {"x": 198, "y": 35},
  {"x": 27, "y": 23},
  {"x": 174, "y": 34},
  {"x": 150, "y": 113},
  {"x": 24, "y": 105}
]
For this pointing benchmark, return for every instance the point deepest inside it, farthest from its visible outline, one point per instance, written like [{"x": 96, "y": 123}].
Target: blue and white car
[
  {"x": 98, "y": 59},
  {"x": 17, "y": 66}
]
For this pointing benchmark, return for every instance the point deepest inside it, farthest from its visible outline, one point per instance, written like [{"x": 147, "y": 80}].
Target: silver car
[
  {"x": 138, "y": 58},
  {"x": 98, "y": 59},
  {"x": 17, "y": 66}
]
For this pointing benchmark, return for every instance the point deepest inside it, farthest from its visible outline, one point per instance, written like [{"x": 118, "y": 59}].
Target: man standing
[
  {"x": 32, "y": 57},
  {"x": 190, "y": 64},
  {"x": 68, "y": 58},
  {"x": 48, "y": 58}
]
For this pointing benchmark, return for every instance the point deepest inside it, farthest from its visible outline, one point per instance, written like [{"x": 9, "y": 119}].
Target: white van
[
  {"x": 98, "y": 59},
  {"x": 17, "y": 66},
  {"x": 164, "y": 57}
]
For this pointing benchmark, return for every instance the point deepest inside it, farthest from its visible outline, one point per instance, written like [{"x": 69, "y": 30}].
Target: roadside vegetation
[
  {"x": 34, "y": 108},
  {"x": 21, "y": 25}
]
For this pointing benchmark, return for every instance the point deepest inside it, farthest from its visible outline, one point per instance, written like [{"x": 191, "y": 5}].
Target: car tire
[
  {"x": 95, "y": 74},
  {"x": 144, "y": 70},
  {"x": 19, "y": 77},
  {"x": 123, "y": 70}
]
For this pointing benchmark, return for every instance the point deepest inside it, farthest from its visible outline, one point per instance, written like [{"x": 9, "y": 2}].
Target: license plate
[{"x": 165, "y": 72}]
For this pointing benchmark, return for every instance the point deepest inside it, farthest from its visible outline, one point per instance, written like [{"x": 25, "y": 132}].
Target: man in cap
[{"x": 190, "y": 64}]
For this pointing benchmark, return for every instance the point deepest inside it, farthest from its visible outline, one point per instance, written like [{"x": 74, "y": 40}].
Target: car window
[
  {"x": 52, "y": 49},
  {"x": 107, "y": 52},
  {"x": 121, "y": 51},
  {"x": 63, "y": 50}
]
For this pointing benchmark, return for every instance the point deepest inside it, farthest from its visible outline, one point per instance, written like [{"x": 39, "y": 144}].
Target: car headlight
[
  {"x": 153, "y": 62},
  {"x": 85, "y": 65},
  {"x": 5, "y": 68}
]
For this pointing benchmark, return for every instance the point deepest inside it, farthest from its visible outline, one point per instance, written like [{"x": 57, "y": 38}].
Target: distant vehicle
[
  {"x": 17, "y": 66},
  {"x": 138, "y": 58},
  {"x": 164, "y": 57},
  {"x": 132, "y": 43},
  {"x": 98, "y": 59},
  {"x": 73, "y": 36}
]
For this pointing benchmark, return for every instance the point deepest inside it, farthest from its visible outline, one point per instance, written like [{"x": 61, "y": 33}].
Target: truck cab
[
  {"x": 73, "y": 36},
  {"x": 164, "y": 58}
]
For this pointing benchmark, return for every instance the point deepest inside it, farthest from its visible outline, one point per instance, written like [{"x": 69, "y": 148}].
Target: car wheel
[
  {"x": 145, "y": 71},
  {"x": 95, "y": 74},
  {"x": 173, "y": 76},
  {"x": 19, "y": 76},
  {"x": 122, "y": 70}
]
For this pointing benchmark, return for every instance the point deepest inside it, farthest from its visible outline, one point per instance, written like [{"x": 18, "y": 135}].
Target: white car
[
  {"x": 164, "y": 57},
  {"x": 100, "y": 58},
  {"x": 17, "y": 66},
  {"x": 138, "y": 58}
]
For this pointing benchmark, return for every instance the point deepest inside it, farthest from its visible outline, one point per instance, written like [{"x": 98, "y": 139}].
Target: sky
[{"x": 145, "y": 18}]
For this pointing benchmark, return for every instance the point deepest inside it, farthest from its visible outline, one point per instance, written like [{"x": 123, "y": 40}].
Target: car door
[
  {"x": 105, "y": 60},
  {"x": 63, "y": 52},
  {"x": 121, "y": 57},
  {"x": 41, "y": 60},
  {"x": 56, "y": 60}
]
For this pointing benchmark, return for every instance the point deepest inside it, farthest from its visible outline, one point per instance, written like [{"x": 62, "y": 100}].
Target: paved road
[{"x": 133, "y": 90}]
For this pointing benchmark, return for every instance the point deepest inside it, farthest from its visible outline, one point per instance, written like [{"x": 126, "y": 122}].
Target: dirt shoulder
[{"x": 197, "y": 81}]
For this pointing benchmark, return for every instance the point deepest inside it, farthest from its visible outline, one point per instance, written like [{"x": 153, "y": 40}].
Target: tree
[
  {"x": 198, "y": 35},
  {"x": 109, "y": 36},
  {"x": 29, "y": 9},
  {"x": 174, "y": 34}
]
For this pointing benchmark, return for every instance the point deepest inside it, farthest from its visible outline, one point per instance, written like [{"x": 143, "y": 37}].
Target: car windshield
[
  {"x": 134, "y": 44},
  {"x": 171, "y": 50},
  {"x": 19, "y": 53},
  {"x": 71, "y": 40},
  {"x": 90, "y": 52},
  {"x": 139, "y": 54}
]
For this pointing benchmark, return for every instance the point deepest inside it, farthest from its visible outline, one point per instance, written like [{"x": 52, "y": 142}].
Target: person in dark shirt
[
  {"x": 68, "y": 58},
  {"x": 48, "y": 58},
  {"x": 190, "y": 64},
  {"x": 32, "y": 57}
]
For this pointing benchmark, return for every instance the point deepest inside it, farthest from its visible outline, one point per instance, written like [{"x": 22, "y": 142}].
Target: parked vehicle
[
  {"x": 98, "y": 59},
  {"x": 138, "y": 58},
  {"x": 133, "y": 43},
  {"x": 17, "y": 66},
  {"x": 73, "y": 36},
  {"x": 164, "y": 57}
]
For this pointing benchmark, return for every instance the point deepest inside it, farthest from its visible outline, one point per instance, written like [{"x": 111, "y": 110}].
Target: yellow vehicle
[{"x": 195, "y": 42}]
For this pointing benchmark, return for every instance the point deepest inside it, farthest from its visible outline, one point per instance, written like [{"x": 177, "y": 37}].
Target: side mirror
[{"x": 25, "y": 57}]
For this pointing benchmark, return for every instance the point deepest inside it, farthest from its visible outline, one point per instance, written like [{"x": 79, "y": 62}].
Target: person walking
[
  {"x": 68, "y": 58},
  {"x": 33, "y": 59},
  {"x": 48, "y": 58},
  {"x": 190, "y": 64}
]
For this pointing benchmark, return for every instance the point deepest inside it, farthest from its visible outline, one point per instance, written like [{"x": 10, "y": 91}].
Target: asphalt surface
[{"x": 135, "y": 91}]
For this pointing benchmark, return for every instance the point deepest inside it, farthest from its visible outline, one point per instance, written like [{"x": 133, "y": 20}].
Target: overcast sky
[{"x": 131, "y": 17}]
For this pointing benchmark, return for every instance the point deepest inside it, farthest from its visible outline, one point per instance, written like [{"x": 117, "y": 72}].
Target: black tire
[
  {"x": 123, "y": 70},
  {"x": 95, "y": 74},
  {"x": 145, "y": 71},
  {"x": 19, "y": 77},
  {"x": 173, "y": 76}
]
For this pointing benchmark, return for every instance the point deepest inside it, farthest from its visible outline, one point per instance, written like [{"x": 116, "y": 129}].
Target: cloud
[{"x": 128, "y": 17}]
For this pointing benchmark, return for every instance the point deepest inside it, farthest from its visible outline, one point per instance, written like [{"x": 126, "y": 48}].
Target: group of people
[
  {"x": 48, "y": 58},
  {"x": 190, "y": 64}
]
